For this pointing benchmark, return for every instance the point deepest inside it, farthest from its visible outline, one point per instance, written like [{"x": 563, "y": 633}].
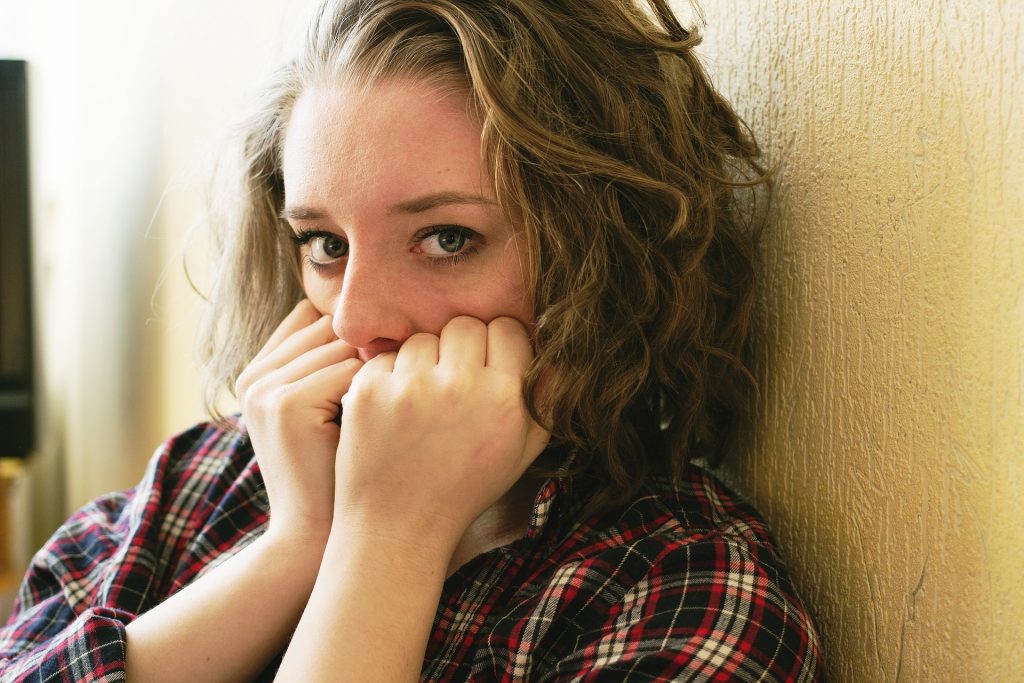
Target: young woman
[{"x": 483, "y": 299}]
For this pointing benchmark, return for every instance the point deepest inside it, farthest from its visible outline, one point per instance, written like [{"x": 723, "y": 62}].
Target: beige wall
[{"x": 887, "y": 457}]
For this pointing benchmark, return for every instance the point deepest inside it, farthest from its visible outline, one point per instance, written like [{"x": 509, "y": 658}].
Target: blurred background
[
  {"x": 887, "y": 457},
  {"x": 127, "y": 103}
]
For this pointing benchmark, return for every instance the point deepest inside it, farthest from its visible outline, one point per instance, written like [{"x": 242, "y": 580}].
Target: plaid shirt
[{"x": 684, "y": 584}]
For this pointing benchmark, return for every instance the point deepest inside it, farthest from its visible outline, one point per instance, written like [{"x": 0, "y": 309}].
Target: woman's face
[{"x": 387, "y": 191}]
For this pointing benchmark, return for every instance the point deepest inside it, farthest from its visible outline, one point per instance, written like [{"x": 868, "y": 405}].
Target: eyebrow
[
  {"x": 301, "y": 213},
  {"x": 432, "y": 201},
  {"x": 415, "y": 205}
]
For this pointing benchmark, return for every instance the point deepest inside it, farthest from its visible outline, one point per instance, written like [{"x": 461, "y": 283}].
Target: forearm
[
  {"x": 229, "y": 623},
  {"x": 371, "y": 611}
]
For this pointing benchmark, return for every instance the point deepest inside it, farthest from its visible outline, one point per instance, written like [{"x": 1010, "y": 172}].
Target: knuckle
[
  {"x": 261, "y": 393},
  {"x": 384, "y": 359},
  {"x": 505, "y": 325},
  {"x": 362, "y": 390},
  {"x": 246, "y": 383},
  {"x": 360, "y": 384},
  {"x": 467, "y": 322},
  {"x": 347, "y": 402},
  {"x": 455, "y": 384},
  {"x": 241, "y": 385},
  {"x": 284, "y": 397},
  {"x": 421, "y": 338}
]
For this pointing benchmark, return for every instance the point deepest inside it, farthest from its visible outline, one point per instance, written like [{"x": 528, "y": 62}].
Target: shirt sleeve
[
  {"x": 98, "y": 571},
  {"x": 125, "y": 552},
  {"x": 62, "y": 627}
]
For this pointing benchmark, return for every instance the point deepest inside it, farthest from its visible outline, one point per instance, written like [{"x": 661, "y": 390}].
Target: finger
[
  {"x": 418, "y": 351},
  {"x": 320, "y": 333},
  {"x": 508, "y": 346},
  {"x": 382, "y": 362},
  {"x": 463, "y": 343},
  {"x": 303, "y": 315},
  {"x": 312, "y": 361},
  {"x": 323, "y": 390}
]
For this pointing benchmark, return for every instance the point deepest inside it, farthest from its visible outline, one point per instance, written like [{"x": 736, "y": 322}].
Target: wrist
[
  {"x": 371, "y": 608},
  {"x": 424, "y": 542},
  {"x": 291, "y": 524},
  {"x": 302, "y": 547}
]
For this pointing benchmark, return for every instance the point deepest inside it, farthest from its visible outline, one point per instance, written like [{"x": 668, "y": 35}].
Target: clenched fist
[{"x": 436, "y": 433}]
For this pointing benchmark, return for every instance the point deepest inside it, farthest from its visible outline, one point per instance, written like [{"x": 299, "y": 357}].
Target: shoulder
[
  {"x": 687, "y": 579},
  {"x": 697, "y": 509},
  {"x": 671, "y": 518},
  {"x": 192, "y": 479},
  {"x": 691, "y": 543},
  {"x": 201, "y": 457},
  {"x": 204, "y": 479},
  {"x": 205, "y": 459},
  {"x": 204, "y": 444},
  {"x": 116, "y": 549}
]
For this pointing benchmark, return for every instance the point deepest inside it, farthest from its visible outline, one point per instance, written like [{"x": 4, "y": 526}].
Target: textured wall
[{"x": 887, "y": 456}]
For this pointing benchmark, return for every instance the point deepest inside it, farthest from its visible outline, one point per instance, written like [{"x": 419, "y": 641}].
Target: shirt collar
[{"x": 552, "y": 500}]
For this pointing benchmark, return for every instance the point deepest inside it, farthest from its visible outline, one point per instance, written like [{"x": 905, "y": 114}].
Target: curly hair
[{"x": 625, "y": 168}]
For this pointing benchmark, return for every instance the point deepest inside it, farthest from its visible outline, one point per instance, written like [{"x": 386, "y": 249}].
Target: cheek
[
  {"x": 520, "y": 305},
  {"x": 506, "y": 294},
  {"x": 516, "y": 287},
  {"x": 318, "y": 292},
  {"x": 482, "y": 298}
]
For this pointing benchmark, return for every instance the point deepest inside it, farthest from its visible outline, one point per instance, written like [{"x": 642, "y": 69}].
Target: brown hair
[{"x": 606, "y": 136}]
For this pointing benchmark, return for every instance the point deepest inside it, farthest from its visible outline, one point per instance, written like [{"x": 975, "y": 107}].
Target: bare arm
[
  {"x": 370, "y": 614},
  {"x": 227, "y": 625}
]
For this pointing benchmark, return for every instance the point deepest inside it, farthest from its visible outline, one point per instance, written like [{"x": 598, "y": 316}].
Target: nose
[{"x": 369, "y": 311}]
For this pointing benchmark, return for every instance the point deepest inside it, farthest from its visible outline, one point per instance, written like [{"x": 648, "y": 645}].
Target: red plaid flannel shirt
[{"x": 684, "y": 584}]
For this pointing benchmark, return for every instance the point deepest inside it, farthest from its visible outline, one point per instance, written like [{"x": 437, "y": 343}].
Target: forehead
[{"x": 382, "y": 142}]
